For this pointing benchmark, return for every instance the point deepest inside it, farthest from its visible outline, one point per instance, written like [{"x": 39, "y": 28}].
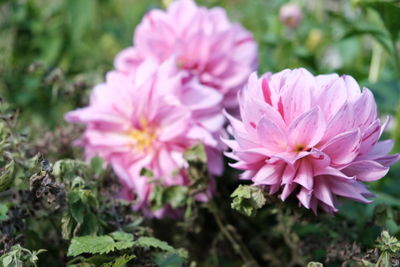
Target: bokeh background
[{"x": 53, "y": 51}]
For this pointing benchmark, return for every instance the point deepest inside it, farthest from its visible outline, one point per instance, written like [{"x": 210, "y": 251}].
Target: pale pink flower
[
  {"x": 290, "y": 15},
  {"x": 206, "y": 45},
  {"x": 148, "y": 121},
  {"x": 313, "y": 136}
]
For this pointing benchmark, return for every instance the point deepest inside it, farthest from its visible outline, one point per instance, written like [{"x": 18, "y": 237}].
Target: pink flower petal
[
  {"x": 343, "y": 148},
  {"x": 366, "y": 170},
  {"x": 307, "y": 129}
]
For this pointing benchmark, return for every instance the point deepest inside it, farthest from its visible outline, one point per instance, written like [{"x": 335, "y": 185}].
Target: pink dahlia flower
[
  {"x": 148, "y": 121},
  {"x": 313, "y": 136},
  {"x": 206, "y": 45}
]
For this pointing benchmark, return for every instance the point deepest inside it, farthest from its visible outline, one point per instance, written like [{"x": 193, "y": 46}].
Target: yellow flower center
[{"x": 144, "y": 136}]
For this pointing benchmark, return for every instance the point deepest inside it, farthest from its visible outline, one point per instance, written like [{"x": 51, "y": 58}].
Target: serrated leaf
[
  {"x": 121, "y": 236},
  {"x": 121, "y": 245},
  {"x": 247, "y": 199},
  {"x": 91, "y": 244},
  {"x": 153, "y": 242},
  {"x": 120, "y": 261}
]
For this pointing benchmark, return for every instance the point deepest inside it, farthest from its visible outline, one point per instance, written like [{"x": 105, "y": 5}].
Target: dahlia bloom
[
  {"x": 290, "y": 15},
  {"x": 206, "y": 45},
  {"x": 148, "y": 121},
  {"x": 313, "y": 136}
]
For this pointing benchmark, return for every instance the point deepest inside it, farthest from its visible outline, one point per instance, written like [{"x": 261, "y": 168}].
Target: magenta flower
[
  {"x": 290, "y": 15},
  {"x": 313, "y": 136},
  {"x": 206, "y": 45},
  {"x": 148, "y": 121}
]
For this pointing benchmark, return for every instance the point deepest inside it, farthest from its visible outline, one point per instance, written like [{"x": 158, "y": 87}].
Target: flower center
[
  {"x": 144, "y": 136},
  {"x": 299, "y": 148}
]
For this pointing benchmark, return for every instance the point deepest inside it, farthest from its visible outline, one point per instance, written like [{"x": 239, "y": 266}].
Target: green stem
[
  {"x": 375, "y": 62},
  {"x": 235, "y": 241},
  {"x": 396, "y": 55}
]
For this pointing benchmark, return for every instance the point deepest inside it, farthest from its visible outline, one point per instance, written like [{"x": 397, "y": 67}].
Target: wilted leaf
[{"x": 247, "y": 199}]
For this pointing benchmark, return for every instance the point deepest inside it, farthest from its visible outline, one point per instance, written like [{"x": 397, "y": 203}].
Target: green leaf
[
  {"x": 198, "y": 172},
  {"x": 3, "y": 212},
  {"x": 96, "y": 163},
  {"x": 7, "y": 176},
  {"x": 81, "y": 15},
  {"x": 121, "y": 236},
  {"x": 125, "y": 240},
  {"x": 169, "y": 260},
  {"x": 90, "y": 224},
  {"x": 146, "y": 172},
  {"x": 389, "y": 12},
  {"x": 67, "y": 169},
  {"x": 379, "y": 34},
  {"x": 247, "y": 199},
  {"x": 120, "y": 261},
  {"x": 91, "y": 244},
  {"x": 314, "y": 264},
  {"x": 176, "y": 196},
  {"x": 196, "y": 154},
  {"x": 67, "y": 225},
  {"x": 153, "y": 242},
  {"x": 121, "y": 245},
  {"x": 7, "y": 260},
  {"x": 77, "y": 211}
]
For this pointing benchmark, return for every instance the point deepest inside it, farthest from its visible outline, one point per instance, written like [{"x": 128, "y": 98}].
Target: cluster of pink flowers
[
  {"x": 167, "y": 94},
  {"x": 206, "y": 46},
  {"x": 313, "y": 136}
]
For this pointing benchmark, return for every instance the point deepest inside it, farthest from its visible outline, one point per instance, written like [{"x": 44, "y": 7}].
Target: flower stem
[{"x": 230, "y": 234}]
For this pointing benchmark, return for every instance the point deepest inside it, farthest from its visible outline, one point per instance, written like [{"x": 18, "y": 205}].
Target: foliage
[
  {"x": 19, "y": 256},
  {"x": 117, "y": 242},
  {"x": 247, "y": 199}
]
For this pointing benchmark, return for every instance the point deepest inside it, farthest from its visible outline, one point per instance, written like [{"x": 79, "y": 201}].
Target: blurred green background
[{"x": 53, "y": 51}]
